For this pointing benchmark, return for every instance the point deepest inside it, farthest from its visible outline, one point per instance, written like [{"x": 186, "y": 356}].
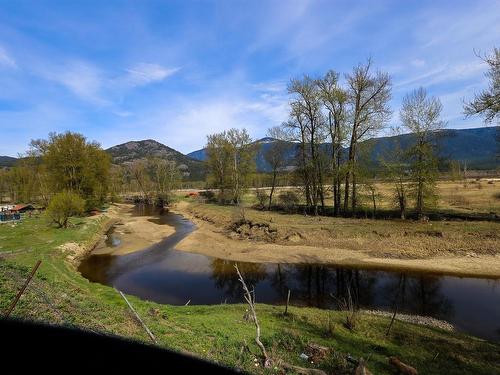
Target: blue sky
[{"x": 176, "y": 71}]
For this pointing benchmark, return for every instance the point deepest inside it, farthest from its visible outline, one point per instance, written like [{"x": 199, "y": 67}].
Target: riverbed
[{"x": 162, "y": 274}]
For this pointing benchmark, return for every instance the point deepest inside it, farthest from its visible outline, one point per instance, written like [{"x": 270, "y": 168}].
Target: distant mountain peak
[
  {"x": 132, "y": 151},
  {"x": 266, "y": 140}
]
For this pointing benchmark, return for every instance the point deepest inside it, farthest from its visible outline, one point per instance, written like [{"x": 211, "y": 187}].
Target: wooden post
[
  {"x": 287, "y": 302},
  {"x": 396, "y": 305},
  {"x": 20, "y": 293},
  {"x": 139, "y": 318}
]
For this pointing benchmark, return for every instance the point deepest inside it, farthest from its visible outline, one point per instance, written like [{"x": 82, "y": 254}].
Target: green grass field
[{"x": 60, "y": 295}]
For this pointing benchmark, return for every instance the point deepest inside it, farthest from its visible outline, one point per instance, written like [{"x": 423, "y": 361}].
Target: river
[{"x": 162, "y": 274}]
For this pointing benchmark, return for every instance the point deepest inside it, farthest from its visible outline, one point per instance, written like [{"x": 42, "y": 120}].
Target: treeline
[
  {"x": 63, "y": 162},
  {"x": 151, "y": 180},
  {"x": 341, "y": 113},
  {"x": 69, "y": 175}
]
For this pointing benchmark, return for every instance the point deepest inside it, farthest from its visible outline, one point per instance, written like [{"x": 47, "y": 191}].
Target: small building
[{"x": 22, "y": 208}]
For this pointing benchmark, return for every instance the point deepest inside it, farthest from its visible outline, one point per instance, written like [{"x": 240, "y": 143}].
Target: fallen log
[{"x": 403, "y": 368}]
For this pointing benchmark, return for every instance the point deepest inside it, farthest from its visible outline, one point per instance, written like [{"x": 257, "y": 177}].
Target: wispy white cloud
[
  {"x": 144, "y": 73},
  {"x": 80, "y": 78},
  {"x": 95, "y": 85},
  {"x": 6, "y": 59},
  {"x": 442, "y": 73}
]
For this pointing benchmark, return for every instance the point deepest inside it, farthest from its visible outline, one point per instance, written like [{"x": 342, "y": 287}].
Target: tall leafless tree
[
  {"x": 368, "y": 96},
  {"x": 334, "y": 98}
]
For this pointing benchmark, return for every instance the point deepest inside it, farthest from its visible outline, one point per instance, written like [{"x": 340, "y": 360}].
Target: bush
[
  {"x": 208, "y": 196},
  {"x": 288, "y": 200},
  {"x": 262, "y": 198},
  {"x": 64, "y": 205}
]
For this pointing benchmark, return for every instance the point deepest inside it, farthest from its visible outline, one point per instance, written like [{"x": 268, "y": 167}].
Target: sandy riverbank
[
  {"x": 212, "y": 240},
  {"x": 134, "y": 232}
]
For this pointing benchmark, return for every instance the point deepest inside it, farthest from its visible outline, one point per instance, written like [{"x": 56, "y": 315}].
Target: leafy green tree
[
  {"x": 63, "y": 205},
  {"x": 396, "y": 170},
  {"x": 218, "y": 159},
  {"x": 231, "y": 163},
  {"x": 74, "y": 164},
  {"x": 420, "y": 115}
]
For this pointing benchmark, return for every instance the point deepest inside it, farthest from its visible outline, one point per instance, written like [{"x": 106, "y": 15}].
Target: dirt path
[
  {"x": 135, "y": 232},
  {"x": 211, "y": 240}
]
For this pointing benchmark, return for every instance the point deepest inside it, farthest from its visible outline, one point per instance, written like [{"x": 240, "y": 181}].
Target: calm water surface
[{"x": 162, "y": 274}]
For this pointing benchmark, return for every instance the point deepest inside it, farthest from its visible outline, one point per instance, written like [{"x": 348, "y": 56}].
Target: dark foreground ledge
[{"x": 30, "y": 346}]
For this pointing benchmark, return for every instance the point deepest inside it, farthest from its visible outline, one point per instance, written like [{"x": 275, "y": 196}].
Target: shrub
[
  {"x": 288, "y": 200},
  {"x": 262, "y": 198},
  {"x": 208, "y": 196},
  {"x": 64, "y": 205}
]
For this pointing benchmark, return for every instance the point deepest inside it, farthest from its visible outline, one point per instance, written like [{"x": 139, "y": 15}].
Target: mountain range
[{"x": 477, "y": 147}]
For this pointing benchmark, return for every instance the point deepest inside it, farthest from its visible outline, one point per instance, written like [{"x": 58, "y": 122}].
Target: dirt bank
[
  {"x": 213, "y": 240},
  {"x": 135, "y": 232}
]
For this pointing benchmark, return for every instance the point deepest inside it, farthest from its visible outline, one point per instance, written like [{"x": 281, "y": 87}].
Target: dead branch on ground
[{"x": 251, "y": 303}]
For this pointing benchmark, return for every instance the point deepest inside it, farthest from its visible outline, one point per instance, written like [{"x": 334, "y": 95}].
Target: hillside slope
[
  {"x": 7, "y": 161},
  {"x": 140, "y": 150}
]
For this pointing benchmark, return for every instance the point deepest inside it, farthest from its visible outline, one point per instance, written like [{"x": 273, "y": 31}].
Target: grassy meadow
[{"x": 60, "y": 295}]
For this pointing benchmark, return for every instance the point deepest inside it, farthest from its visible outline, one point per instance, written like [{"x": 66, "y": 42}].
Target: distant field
[
  {"x": 465, "y": 197},
  {"x": 452, "y": 232}
]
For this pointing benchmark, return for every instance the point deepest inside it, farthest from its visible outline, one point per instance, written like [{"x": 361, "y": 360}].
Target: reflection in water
[
  {"x": 164, "y": 275},
  {"x": 226, "y": 279}
]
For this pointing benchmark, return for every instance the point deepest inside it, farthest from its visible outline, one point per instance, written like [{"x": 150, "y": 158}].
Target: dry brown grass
[
  {"x": 462, "y": 197},
  {"x": 382, "y": 238}
]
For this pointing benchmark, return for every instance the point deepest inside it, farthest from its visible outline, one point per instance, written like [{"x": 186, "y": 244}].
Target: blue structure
[{"x": 9, "y": 216}]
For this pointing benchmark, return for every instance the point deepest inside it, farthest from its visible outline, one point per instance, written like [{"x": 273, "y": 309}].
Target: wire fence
[{"x": 41, "y": 302}]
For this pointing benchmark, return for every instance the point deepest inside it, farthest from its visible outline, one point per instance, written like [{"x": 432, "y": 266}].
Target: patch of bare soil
[
  {"x": 246, "y": 229},
  {"x": 135, "y": 232}
]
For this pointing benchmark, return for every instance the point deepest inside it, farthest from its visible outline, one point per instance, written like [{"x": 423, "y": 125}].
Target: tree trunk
[
  {"x": 272, "y": 190},
  {"x": 374, "y": 204}
]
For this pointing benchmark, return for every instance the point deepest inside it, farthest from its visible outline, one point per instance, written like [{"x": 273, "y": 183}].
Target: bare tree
[
  {"x": 276, "y": 156},
  {"x": 334, "y": 98},
  {"x": 298, "y": 133},
  {"x": 306, "y": 108},
  {"x": 165, "y": 177},
  {"x": 420, "y": 115},
  {"x": 487, "y": 102},
  {"x": 368, "y": 95},
  {"x": 139, "y": 174}
]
